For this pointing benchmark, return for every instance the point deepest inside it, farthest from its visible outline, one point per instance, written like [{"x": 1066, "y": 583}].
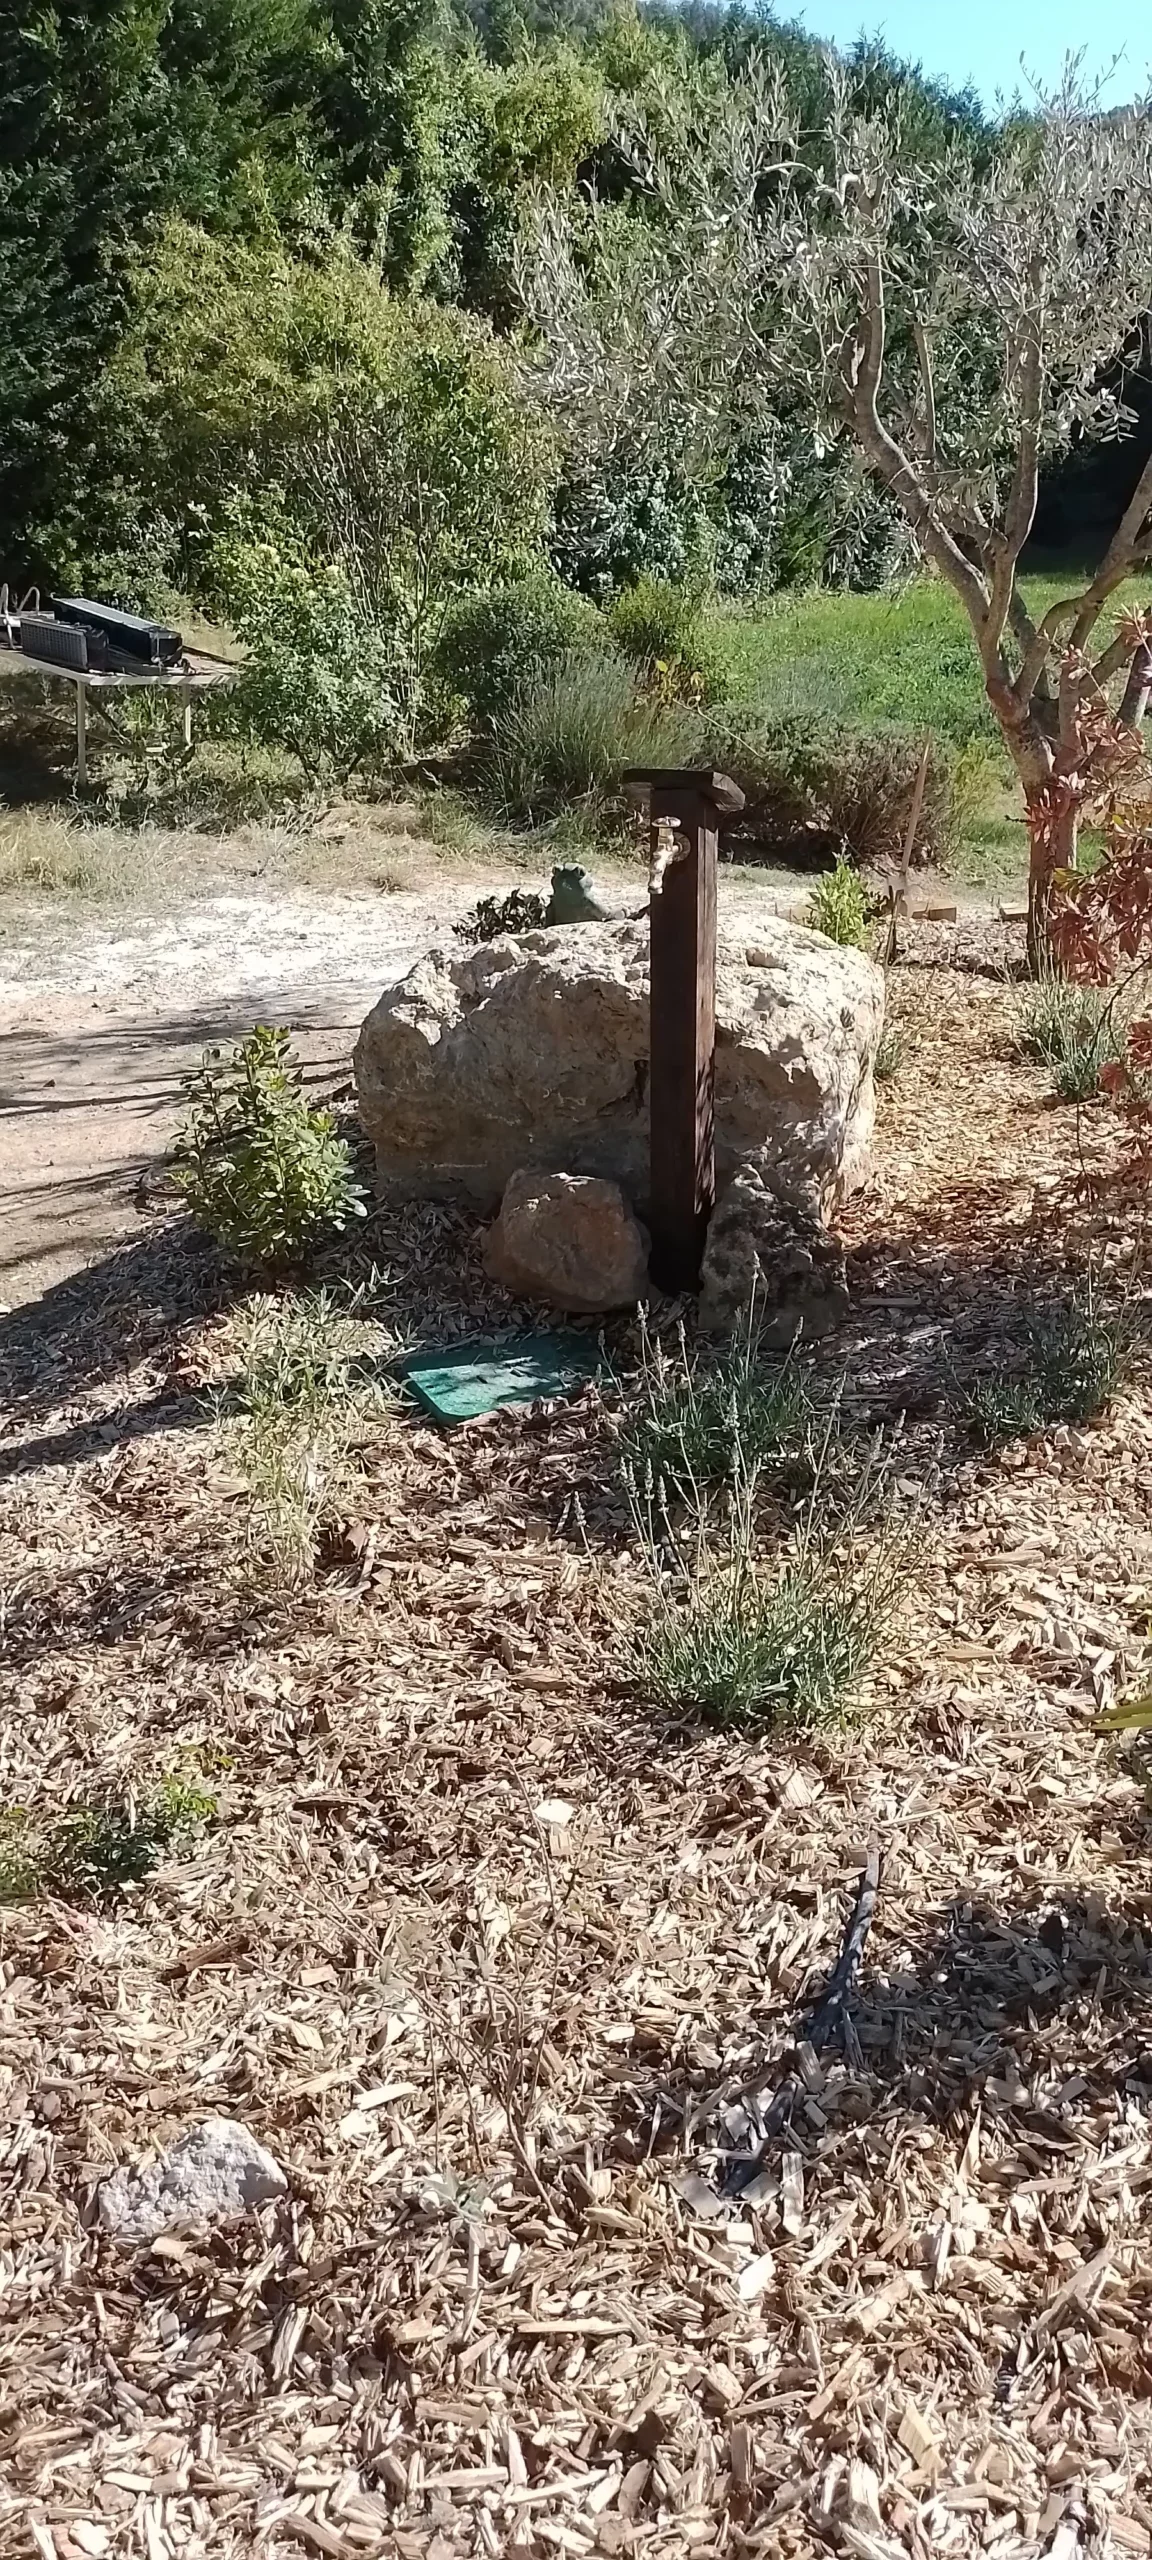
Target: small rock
[
  {"x": 211, "y": 2173},
  {"x": 569, "y": 1239}
]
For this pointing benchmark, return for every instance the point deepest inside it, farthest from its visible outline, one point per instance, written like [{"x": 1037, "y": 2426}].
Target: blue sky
[{"x": 982, "y": 40}]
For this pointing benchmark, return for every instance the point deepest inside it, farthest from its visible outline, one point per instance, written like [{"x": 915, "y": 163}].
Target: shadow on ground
[
  {"x": 1021, "y": 2013},
  {"x": 95, "y": 1330}
]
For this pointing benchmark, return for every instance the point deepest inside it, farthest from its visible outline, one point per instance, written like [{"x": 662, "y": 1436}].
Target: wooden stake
[
  {"x": 682, "y": 1035},
  {"x": 898, "y": 889},
  {"x": 914, "y": 818}
]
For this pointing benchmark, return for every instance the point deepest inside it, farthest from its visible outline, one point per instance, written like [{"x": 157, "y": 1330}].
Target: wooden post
[{"x": 682, "y": 1034}]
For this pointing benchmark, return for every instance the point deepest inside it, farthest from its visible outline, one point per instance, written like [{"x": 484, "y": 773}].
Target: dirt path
[
  {"x": 100, "y": 1030},
  {"x": 101, "y": 1022}
]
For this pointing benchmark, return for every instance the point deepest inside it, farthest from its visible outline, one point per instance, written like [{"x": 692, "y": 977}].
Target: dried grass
[{"x": 486, "y": 1955}]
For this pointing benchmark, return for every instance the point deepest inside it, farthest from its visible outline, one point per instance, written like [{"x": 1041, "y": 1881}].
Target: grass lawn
[{"x": 905, "y": 660}]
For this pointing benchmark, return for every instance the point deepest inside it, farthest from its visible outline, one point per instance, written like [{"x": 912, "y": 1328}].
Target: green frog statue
[{"x": 574, "y": 899}]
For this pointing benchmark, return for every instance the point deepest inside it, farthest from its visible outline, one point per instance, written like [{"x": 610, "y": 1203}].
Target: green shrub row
[{"x": 560, "y": 699}]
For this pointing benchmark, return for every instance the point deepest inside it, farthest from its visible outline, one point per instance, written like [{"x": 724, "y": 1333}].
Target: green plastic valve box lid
[{"x": 467, "y": 1379}]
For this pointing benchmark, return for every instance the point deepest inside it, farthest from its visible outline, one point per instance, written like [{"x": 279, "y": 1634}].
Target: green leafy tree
[
  {"x": 319, "y": 678},
  {"x": 954, "y": 317},
  {"x": 82, "y": 173},
  {"x": 242, "y": 79},
  {"x": 530, "y": 121},
  {"x": 393, "y": 432},
  {"x": 384, "y": 111}
]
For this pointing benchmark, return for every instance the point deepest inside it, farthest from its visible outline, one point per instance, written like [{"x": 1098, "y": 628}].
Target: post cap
[{"x": 678, "y": 781}]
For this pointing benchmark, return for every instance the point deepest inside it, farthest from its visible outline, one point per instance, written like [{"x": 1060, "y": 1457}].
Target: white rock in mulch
[{"x": 211, "y": 2173}]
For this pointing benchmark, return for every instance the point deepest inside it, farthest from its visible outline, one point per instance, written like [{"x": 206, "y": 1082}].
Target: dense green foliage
[
  {"x": 570, "y": 735},
  {"x": 268, "y": 348},
  {"x": 264, "y": 1173},
  {"x": 319, "y": 679},
  {"x": 81, "y": 178},
  {"x": 200, "y": 200},
  {"x": 497, "y": 642}
]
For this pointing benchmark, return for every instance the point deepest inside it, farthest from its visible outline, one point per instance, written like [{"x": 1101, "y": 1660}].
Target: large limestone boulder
[
  {"x": 533, "y": 1054},
  {"x": 570, "y": 1239}
]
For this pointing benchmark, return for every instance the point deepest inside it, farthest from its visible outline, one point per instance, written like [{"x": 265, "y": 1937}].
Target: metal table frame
[{"x": 202, "y": 674}]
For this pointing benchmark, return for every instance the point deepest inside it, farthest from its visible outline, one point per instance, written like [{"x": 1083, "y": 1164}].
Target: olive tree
[{"x": 962, "y": 318}]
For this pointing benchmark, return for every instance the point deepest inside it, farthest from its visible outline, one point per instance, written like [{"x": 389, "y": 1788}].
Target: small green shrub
[
  {"x": 1000, "y": 1409},
  {"x": 889, "y": 1052},
  {"x": 813, "y": 784},
  {"x": 696, "y": 1418},
  {"x": 1076, "y": 1355},
  {"x": 659, "y": 628},
  {"x": 742, "y": 1650},
  {"x": 522, "y": 911},
  {"x": 319, "y": 678},
  {"x": 572, "y": 735},
  {"x": 1071, "y": 1030},
  {"x": 866, "y": 786},
  {"x": 496, "y": 644},
  {"x": 1079, "y": 1354},
  {"x": 92, "y": 1850},
  {"x": 265, "y": 1173},
  {"x": 838, "y": 907},
  {"x": 734, "y": 1637}
]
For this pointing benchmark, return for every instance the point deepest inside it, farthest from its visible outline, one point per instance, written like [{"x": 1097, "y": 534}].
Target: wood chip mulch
[{"x": 483, "y": 1951}]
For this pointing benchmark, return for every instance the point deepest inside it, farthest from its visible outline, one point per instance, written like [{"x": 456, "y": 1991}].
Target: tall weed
[{"x": 298, "y": 1403}]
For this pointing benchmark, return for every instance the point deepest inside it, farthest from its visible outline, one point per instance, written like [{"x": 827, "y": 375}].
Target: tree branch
[
  {"x": 1119, "y": 653},
  {"x": 1020, "y": 621},
  {"x": 924, "y": 353},
  {"x": 1119, "y": 559},
  {"x": 893, "y": 465},
  {"x": 1021, "y": 508}
]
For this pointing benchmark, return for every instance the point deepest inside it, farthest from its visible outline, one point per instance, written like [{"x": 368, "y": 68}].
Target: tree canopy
[{"x": 410, "y": 133}]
